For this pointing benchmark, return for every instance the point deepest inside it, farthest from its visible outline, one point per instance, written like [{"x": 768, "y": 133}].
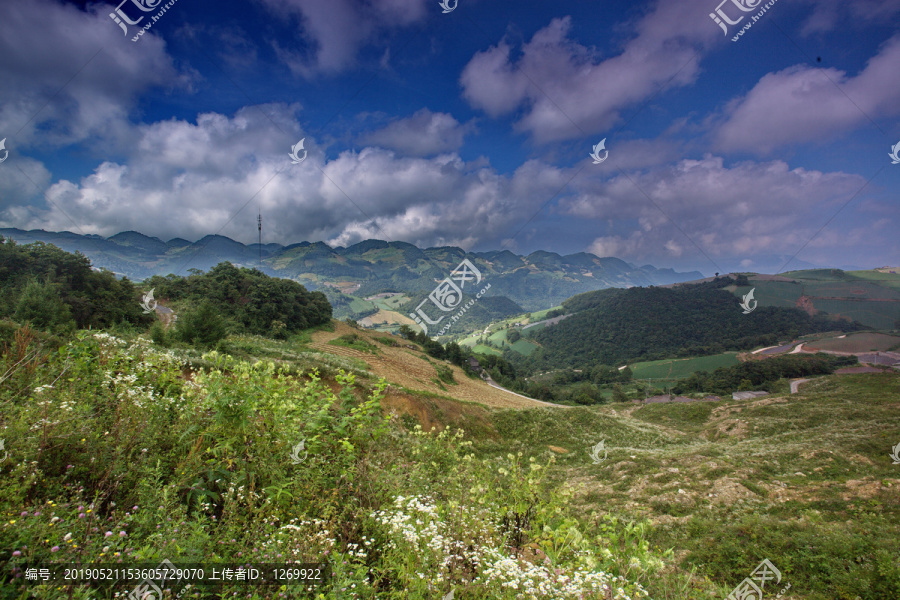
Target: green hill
[
  {"x": 612, "y": 326},
  {"x": 371, "y": 267},
  {"x": 868, "y": 297}
]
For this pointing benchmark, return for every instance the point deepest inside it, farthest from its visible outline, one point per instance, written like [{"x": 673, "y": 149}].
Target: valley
[{"x": 646, "y": 463}]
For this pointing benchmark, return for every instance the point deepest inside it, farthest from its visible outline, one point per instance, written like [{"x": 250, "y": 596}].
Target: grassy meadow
[
  {"x": 123, "y": 450},
  {"x": 678, "y": 368}
]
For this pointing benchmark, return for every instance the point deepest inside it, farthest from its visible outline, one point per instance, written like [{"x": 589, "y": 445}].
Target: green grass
[
  {"x": 673, "y": 369},
  {"x": 358, "y": 305},
  {"x": 890, "y": 280},
  {"x": 388, "y": 341},
  {"x": 393, "y": 303},
  {"x": 482, "y": 349},
  {"x": 804, "y": 480},
  {"x": 524, "y": 347},
  {"x": 851, "y": 291},
  {"x": 856, "y": 342},
  {"x": 352, "y": 340},
  {"x": 542, "y": 314}
]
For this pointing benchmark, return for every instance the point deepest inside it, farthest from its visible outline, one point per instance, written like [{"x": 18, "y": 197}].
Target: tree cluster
[
  {"x": 612, "y": 326},
  {"x": 57, "y": 291},
  {"x": 757, "y": 374},
  {"x": 247, "y": 299},
  {"x": 497, "y": 367}
]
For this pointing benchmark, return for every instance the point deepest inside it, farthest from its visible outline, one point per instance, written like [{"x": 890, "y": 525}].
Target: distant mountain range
[{"x": 536, "y": 281}]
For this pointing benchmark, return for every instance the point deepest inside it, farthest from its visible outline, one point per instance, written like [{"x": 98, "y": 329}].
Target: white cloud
[
  {"x": 423, "y": 134},
  {"x": 70, "y": 76},
  {"x": 744, "y": 209},
  {"x": 189, "y": 179},
  {"x": 802, "y": 104},
  {"x": 568, "y": 89},
  {"x": 336, "y": 30},
  {"x": 829, "y": 14}
]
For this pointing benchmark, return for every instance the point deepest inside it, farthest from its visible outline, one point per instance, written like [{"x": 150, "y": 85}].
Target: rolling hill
[{"x": 348, "y": 275}]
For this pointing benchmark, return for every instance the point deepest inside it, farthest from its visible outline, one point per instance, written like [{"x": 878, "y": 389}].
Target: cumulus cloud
[
  {"x": 336, "y": 30},
  {"x": 189, "y": 180},
  {"x": 747, "y": 208},
  {"x": 423, "y": 134},
  {"x": 567, "y": 89},
  {"x": 828, "y": 14},
  {"x": 70, "y": 75},
  {"x": 801, "y": 104}
]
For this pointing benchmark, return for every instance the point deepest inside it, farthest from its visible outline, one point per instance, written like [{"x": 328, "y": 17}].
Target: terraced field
[
  {"x": 674, "y": 369},
  {"x": 858, "y": 342},
  {"x": 389, "y": 316},
  {"x": 870, "y": 302},
  {"x": 891, "y": 280}
]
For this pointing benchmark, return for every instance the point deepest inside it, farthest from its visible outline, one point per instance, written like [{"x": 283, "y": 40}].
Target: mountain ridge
[{"x": 530, "y": 281}]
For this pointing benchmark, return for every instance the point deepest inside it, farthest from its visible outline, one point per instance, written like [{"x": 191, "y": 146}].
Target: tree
[
  {"x": 158, "y": 334},
  {"x": 40, "y": 306},
  {"x": 202, "y": 326}
]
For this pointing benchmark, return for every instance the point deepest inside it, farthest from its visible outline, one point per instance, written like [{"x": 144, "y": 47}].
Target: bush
[
  {"x": 158, "y": 334},
  {"x": 41, "y": 307},
  {"x": 202, "y": 326},
  {"x": 279, "y": 330},
  {"x": 445, "y": 373},
  {"x": 618, "y": 395}
]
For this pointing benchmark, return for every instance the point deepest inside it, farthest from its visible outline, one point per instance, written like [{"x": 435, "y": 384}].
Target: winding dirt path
[{"x": 795, "y": 385}]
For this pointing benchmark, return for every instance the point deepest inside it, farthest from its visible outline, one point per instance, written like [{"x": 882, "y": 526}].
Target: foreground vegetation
[
  {"x": 118, "y": 450},
  {"x": 803, "y": 480},
  {"x": 190, "y": 456}
]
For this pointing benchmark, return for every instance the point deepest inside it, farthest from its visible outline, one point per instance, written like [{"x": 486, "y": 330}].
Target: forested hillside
[
  {"x": 59, "y": 292},
  {"x": 252, "y": 301},
  {"x": 613, "y": 325}
]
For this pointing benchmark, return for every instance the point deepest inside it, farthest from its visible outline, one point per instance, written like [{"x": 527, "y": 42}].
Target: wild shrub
[{"x": 202, "y": 326}]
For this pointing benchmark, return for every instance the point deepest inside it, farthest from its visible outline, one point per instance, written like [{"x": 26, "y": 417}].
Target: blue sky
[{"x": 470, "y": 128}]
